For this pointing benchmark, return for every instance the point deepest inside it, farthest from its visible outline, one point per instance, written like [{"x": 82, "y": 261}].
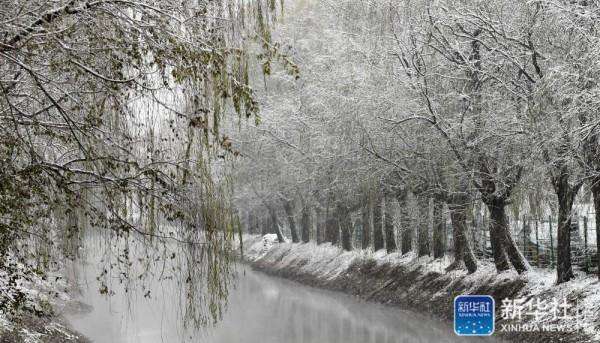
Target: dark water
[{"x": 262, "y": 309}]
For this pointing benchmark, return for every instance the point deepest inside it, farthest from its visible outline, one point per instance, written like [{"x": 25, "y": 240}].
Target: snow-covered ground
[
  {"x": 325, "y": 261},
  {"x": 33, "y": 301}
]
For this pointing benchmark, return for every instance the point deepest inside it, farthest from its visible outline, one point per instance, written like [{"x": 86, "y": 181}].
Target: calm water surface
[{"x": 262, "y": 309}]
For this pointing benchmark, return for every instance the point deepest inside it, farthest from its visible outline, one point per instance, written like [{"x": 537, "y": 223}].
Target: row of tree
[{"x": 457, "y": 103}]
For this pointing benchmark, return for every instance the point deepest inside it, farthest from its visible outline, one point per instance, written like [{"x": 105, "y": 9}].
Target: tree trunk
[
  {"x": 378, "y": 242},
  {"x": 269, "y": 223},
  {"x": 275, "y": 226},
  {"x": 405, "y": 225},
  {"x": 345, "y": 225},
  {"x": 331, "y": 226},
  {"x": 265, "y": 225},
  {"x": 515, "y": 256},
  {"x": 306, "y": 223},
  {"x": 504, "y": 247},
  {"x": 462, "y": 248},
  {"x": 256, "y": 224},
  {"x": 319, "y": 223},
  {"x": 497, "y": 219},
  {"x": 423, "y": 233},
  {"x": 458, "y": 247},
  {"x": 596, "y": 193},
  {"x": 250, "y": 222},
  {"x": 367, "y": 226},
  {"x": 439, "y": 229},
  {"x": 591, "y": 148},
  {"x": 289, "y": 213},
  {"x": 390, "y": 235},
  {"x": 335, "y": 230},
  {"x": 566, "y": 195}
]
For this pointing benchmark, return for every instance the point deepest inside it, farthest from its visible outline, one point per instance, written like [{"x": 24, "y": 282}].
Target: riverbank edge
[
  {"x": 52, "y": 326},
  {"x": 418, "y": 284},
  {"x": 46, "y": 329}
]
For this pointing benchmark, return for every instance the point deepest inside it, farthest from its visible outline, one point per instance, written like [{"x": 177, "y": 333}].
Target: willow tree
[{"x": 103, "y": 100}]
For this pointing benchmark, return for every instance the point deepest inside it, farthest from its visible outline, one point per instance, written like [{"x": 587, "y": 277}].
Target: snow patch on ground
[
  {"x": 257, "y": 247},
  {"x": 59, "y": 329},
  {"x": 324, "y": 260},
  {"x": 30, "y": 336},
  {"x": 28, "y": 294},
  {"x": 5, "y": 324}
]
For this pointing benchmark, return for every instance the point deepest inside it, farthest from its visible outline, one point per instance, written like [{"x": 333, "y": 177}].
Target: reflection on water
[{"x": 261, "y": 309}]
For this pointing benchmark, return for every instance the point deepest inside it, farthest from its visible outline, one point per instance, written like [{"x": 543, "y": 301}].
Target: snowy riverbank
[
  {"x": 37, "y": 304},
  {"x": 423, "y": 284}
]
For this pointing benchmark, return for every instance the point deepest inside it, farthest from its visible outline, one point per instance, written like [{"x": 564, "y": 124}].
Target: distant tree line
[{"x": 446, "y": 105}]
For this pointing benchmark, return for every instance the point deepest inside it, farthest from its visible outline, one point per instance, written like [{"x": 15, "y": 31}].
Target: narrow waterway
[{"x": 262, "y": 309}]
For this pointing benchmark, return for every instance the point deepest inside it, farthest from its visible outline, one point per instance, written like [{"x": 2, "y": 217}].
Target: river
[{"x": 262, "y": 309}]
